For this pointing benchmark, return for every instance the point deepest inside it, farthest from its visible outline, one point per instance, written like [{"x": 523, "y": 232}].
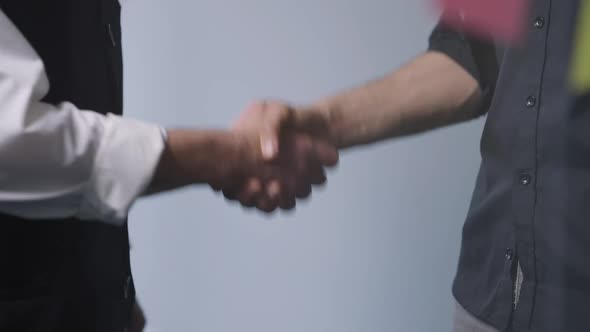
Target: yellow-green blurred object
[{"x": 580, "y": 71}]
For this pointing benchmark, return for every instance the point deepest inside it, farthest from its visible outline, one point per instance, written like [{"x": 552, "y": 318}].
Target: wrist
[
  {"x": 324, "y": 117},
  {"x": 194, "y": 156},
  {"x": 225, "y": 165}
]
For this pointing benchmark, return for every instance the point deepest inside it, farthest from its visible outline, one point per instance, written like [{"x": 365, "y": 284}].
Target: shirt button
[
  {"x": 539, "y": 22},
  {"x": 509, "y": 254},
  {"x": 531, "y": 101},
  {"x": 525, "y": 179}
]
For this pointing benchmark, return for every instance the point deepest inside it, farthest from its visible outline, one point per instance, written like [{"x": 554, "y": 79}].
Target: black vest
[{"x": 68, "y": 275}]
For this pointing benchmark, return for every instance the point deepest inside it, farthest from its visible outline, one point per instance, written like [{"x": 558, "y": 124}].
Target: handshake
[
  {"x": 272, "y": 156},
  {"x": 284, "y": 153}
]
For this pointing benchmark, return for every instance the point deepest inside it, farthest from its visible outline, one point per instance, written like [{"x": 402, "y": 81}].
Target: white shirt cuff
[{"x": 125, "y": 163}]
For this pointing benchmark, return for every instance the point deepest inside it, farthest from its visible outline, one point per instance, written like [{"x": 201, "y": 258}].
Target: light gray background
[{"x": 376, "y": 250}]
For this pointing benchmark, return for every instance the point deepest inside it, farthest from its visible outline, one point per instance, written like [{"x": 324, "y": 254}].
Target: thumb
[
  {"x": 278, "y": 116},
  {"x": 269, "y": 144}
]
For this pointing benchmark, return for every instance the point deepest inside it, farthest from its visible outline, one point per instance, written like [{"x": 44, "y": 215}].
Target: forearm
[
  {"x": 197, "y": 156},
  {"x": 429, "y": 92}
]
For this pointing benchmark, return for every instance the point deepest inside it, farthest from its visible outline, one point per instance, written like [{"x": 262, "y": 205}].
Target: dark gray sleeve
[{"x": 477, "y": 56}]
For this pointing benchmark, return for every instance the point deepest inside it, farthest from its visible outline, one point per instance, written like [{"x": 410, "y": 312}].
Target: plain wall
[{"x": 376, "y": 250}]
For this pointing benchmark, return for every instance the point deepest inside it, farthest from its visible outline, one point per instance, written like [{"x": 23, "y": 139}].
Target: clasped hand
[{"x": 288, "y": 153}]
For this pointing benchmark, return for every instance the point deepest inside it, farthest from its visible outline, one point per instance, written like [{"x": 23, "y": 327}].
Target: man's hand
[
  {"x": 137, "y": 322},
  {"x": 264, "y": 161},
  {"x": 276, "y": 153},
  {"x": 296, "y": 144}
]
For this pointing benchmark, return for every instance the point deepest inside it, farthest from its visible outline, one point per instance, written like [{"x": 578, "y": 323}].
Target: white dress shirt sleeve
[{"x": 58, "y": 161}]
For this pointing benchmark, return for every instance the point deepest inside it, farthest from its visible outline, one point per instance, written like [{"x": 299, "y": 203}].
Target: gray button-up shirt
[{"x": 531, "y": 204}]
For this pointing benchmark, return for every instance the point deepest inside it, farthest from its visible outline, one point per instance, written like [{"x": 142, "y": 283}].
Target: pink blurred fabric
[{"x": 504, "y": 20}]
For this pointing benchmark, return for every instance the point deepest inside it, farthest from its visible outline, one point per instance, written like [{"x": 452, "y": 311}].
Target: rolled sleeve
[
  {"x": 58, "y": 161},
  {"x": 125, "y": 162},
  {"x": 476, "y": 55}
]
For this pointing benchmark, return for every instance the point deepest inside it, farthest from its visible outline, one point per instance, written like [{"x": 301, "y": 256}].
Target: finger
[
  {"x": 277, "y": 116},
  {"x": 316, "y": 174},
  {"x": 288, "y": 203},
  {"x": 308, "y": 156},
  {"x": 326, "y": 153},
  {"x": 250, "y": 192},
  {"x": 288, "y": 184},
  {"x": 272, "y": 195},
  {"x": 288, "y": 192},
  {"x": 303, "y": 190},
  {"x": 230, "y": 193},
  {"x": 303, "y": 152},
  {"x": 310, "y": 168},
  {"x": 265, "y": 205},
  {"x": 273, "y": 190}
]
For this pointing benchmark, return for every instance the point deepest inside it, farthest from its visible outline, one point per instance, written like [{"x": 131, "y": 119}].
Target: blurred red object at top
[{"x": 504, "y": 20}]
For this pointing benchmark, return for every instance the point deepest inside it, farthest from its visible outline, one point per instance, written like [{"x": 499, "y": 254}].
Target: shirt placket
[{"x": 526, "y": 163}]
